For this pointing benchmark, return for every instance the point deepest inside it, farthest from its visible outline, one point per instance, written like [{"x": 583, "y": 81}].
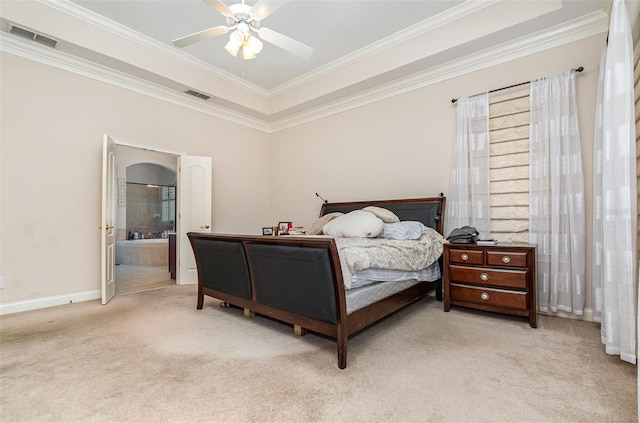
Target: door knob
[
  {"x": 106, "y": 228},
  {"x": 204, "y": 227}
]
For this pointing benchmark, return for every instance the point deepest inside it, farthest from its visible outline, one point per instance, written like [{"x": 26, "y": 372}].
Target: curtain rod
[{"x": 580, "y": 69}]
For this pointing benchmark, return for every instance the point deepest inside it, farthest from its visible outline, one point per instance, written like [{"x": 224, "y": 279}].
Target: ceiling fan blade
[
  {"x": 200, "y": 36},
  {"x": 219, "y": 6},
  {"x": 285, "y": 43},
  {"x": 264, "y": 8}
]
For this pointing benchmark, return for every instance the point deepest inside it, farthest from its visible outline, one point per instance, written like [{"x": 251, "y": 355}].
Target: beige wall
[
  {"x": 51, "y": 133},
  {"x": 401, "y": 147},
  {"x": 53, "y": 123}
]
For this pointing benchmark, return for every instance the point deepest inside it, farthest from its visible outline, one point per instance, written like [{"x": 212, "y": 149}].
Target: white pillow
[
  {"x": 387, "y": 216},
  {"x": 402, "y": 230},
  {"x": 355, "y": 224},
  {"x": 316, "y": 227}
]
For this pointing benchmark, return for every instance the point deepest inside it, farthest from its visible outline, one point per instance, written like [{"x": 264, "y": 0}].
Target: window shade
[{"x": 509, "y": 167}]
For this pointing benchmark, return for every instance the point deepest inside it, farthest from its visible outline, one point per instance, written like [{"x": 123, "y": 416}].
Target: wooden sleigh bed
[{"x": 299, "y": 280}]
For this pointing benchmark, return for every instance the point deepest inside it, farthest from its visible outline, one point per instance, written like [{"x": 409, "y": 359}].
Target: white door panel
[
  {"x": 108, "y": 220},
  {"x": 194, "y": 210}
]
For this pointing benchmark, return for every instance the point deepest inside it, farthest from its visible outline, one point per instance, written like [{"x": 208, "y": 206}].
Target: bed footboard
[{"x": 297, "y": 280}]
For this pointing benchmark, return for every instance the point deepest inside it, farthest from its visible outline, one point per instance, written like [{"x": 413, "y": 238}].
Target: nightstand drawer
[
  {"x": 466, "y": 256},
  {"x": 503, "y": 258},
  {"x": 489, "y": 297},
  {"x": 489, "y": 277}
]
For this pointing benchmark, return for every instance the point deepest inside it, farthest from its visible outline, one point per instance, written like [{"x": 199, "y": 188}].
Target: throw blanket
[{"x": 375, "y": 253}]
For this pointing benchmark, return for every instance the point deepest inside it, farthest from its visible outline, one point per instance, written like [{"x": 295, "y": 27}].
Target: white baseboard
[{"x": 44, "y": 302}]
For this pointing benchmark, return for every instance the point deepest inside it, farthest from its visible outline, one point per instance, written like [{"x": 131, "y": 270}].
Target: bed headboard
[{"x": 429, "y": 211}]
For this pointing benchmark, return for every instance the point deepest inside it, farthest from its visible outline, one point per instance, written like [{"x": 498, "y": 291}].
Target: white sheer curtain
[
  {"x": 468, "y": 198},
  {"x": 556, "y": 194},
  {"x": 614, "y": 192}
]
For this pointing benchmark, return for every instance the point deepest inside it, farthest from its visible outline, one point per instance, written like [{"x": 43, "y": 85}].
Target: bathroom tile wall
[{"x": 144, "y": 209}]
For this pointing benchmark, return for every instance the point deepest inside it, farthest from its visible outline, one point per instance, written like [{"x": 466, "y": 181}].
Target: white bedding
[
  {"x": 369, "y": 276},
  {"x": 358, "y": 254}
]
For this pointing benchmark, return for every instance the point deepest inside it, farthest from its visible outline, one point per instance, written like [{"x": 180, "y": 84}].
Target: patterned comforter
[{"x": 358, "y": 254}]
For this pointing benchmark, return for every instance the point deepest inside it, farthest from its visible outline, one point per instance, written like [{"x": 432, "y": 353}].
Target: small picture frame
[
  {"x": 122, "y": 192},
  {"x": 267, "y": 231},
  {"x": 121, "y": 202},
  {"x": 283, "y": 227},
  {"x": 121, "y": 182}
]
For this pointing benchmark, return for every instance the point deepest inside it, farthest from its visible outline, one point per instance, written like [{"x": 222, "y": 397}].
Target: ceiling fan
[{"x": 244, "y": 22}]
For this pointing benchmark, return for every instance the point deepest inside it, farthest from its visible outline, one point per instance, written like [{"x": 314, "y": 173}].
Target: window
[
  {"x": 509, "y": 166},
  {"x": 168, "y": 203}
]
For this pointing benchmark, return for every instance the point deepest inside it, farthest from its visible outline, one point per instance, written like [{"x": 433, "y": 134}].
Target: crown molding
[
  {"x": 57, "y": 59},
  {"x": 444, "y": 18},
  {"x": 589, "y": 25},
  {"x": 120, "y": 30},
  {"x": 441, "y": 19},
  {"x": 592, "y": 24}
]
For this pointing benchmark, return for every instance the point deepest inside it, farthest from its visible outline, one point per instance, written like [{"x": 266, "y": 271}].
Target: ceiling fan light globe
[
  {"x": 255, "y": 44},
  {"x": 235, "y": 42},
  {"x": 237, "y": 37},
  {"x": 247, "y": 53},
  {"x": 232, "y": 48}
]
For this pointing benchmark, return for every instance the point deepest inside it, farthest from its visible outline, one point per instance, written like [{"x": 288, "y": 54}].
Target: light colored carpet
[{"x": 151, "y": 356}]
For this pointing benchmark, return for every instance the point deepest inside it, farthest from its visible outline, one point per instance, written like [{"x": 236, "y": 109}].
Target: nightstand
[{"x": 499, "y": 278}]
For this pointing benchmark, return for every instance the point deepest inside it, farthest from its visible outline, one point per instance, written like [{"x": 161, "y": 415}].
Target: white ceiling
[
  {"x": 358, "y": 45},
  {"x": 334, "y": 29}
]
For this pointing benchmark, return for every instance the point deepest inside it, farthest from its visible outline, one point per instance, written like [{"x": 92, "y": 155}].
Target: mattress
[{"x": 361, "y": 297}]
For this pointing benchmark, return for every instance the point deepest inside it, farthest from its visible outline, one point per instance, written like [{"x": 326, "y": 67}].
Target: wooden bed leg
[
  {"x": 341, "y": 340},
  {"x": 200, "y": 300},
  {"x": 299, "y": 330},
  {"x": 439, "y": 292},
  {"x": 248, "y": 313}
]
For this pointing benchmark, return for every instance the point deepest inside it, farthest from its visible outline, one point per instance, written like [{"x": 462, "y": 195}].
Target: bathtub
[{"x": 143, "y": 252}]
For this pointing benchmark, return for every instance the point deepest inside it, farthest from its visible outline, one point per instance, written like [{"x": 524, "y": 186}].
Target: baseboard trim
[{"x": 44, "y": 302}]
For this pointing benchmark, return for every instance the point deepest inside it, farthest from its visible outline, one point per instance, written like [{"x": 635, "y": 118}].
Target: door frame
[{"x": 149, "y": 147}]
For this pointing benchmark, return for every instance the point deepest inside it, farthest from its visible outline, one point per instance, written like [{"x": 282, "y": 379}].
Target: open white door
[
  {"x": 108, "y": 220},
  {"x": 194, "y": 200}
]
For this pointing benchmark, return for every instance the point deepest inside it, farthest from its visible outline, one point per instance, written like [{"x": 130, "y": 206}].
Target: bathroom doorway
[
  {"x": 145, "y": 220},
  {"x": 193, "y": 192}
]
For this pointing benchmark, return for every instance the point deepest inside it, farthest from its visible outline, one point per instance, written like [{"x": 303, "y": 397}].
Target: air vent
[
  {"x": 197, "y": 94},
  {"x": 39, "y": 38}
]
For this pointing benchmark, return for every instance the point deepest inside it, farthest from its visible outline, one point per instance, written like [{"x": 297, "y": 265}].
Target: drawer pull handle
[
  {"x": 464, "y": 257},
  {"x": 506, "y": 259},
  {"x": 484, "y": 277},
  {"x": 484, "y": 296}
]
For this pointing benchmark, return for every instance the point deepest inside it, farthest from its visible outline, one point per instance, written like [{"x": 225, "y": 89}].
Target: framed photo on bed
[{"x": 283, "y": 227}]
